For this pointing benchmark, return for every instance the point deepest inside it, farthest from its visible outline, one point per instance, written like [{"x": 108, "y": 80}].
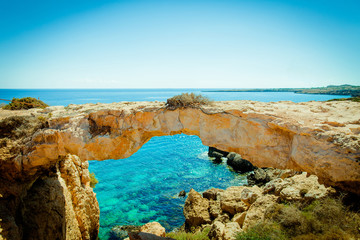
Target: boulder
[
  {"x": 217, "y": 152},
  {"x": 230, "y": 200},
  {"x": 232, "y": 155},
  {"x": 153, "y": 228},
  {"x": 196, "y": 210},
  {"x": 249, "y": 195},
  {"x": 298, "y": 187},
  {"x": 257, "y": 210},
  {"x": 239, "y": 164},
  {"x": 263, "y": 175},
  {"x": 217, "y": 157},
  {"x": 231, "y": 230},
  {"x": 239, "y": 218},
  {"x": 259, "y": 177},
  {"x": 212, "y": 193},
  {"x": 217, "y": 230}
]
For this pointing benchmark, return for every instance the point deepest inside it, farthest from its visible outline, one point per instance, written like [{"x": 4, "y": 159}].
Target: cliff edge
[{"x": 44, "y": 151}]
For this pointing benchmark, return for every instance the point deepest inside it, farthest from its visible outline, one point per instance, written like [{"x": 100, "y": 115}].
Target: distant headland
[{"x": 345, "y": 89}]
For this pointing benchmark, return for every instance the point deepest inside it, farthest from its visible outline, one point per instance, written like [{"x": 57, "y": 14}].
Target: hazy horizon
[{"x": 88, "y": 44}]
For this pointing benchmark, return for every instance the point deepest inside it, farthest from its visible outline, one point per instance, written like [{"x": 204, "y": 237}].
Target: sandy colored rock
[
  {"x": 283, "y": 135},
  {"x": 224, "y": 218},
  {"x": 230, "y": 230},
  {"x": 196, "y": 210},
  {"x": 257, "y": 210},
  {"x": 230, "y": 200},
  {"x": 249, "y": 195},
  {"x": 298, "y": 187},
  {"x": 214, "y": 209},
  {"x": 239, "y": 218},
  {"x": 217, "y": 230},
  {"x": 212, "y": 193},
  {"x": 153, "y": 228}
]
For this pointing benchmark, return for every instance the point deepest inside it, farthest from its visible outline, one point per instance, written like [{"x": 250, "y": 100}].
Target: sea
[{"x": 145, "y": 186}]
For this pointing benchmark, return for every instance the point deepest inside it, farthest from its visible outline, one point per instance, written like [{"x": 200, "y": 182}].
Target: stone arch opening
[{"x": 145, "y": 186}]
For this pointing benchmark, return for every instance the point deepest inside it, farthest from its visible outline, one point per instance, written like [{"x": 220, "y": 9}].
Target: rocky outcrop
[
  {"x": 302, "y": 137},
  {"x": 60, "y": 205},
  {"x": 153, "y": 228},
  {"x": 261, "y": 176},
  {"x": 281, "y": 135},
  {"x": 196, "y": 210},
  {"x": 244, "y": 207},
  {"x": 238, "y": 163}
]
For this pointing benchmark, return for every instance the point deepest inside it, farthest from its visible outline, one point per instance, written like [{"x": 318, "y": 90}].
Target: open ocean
[{"x": 144, "y": 187}]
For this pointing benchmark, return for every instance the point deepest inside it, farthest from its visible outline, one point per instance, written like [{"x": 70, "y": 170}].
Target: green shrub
[
  {"x": 25, "y": 103},
  {"x": 93, "y": 180},
  {"x": 263, "y": 231},
  {"x": 182, "y": 235},
  {"x": 187, "y": 100},
  {"x": 353, "y": 99}
]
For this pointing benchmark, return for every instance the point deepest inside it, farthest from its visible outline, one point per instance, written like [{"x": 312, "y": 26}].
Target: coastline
[{"x": 346, "y": 90}]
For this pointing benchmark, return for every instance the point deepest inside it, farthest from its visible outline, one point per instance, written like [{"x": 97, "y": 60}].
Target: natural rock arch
[
  {"x": 302, "y": 137},
  {"x": 265, "y": 140}
]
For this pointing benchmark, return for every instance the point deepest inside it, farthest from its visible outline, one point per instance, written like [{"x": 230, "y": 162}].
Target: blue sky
[{"x": 179, "y": 44}]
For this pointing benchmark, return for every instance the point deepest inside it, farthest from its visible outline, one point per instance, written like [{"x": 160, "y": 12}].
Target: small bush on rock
[
  {"x": 187, "y": 100},
  {"x": 322, "y": 219},
  {"x": 263, "y": 231},
  {"x": 25, "y": 103},
  {"x": 93, "y": 180},
  {"x": 182, "y": 235}
]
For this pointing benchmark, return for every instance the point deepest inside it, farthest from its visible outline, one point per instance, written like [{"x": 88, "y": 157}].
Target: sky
[{"x": 179, "y": 43}]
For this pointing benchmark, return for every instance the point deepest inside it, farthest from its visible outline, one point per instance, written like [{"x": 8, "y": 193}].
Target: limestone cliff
[
  {"x": 54, "y": 203},
  {"x": 316, "y": 137}
]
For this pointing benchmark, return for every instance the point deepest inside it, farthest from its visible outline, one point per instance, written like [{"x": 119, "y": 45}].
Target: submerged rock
[{"x": 182, "y": 193}]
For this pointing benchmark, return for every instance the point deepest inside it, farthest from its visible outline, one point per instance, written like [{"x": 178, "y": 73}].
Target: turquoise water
[
  {"x": 79, "y": 96},
  {"x": 144, "y": 187}
]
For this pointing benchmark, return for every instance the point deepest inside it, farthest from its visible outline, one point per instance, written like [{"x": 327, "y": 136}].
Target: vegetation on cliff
[
  {"x": 187, "y": 100},
  {"x": 25, "y": 103},
  {"x": 353, "y": 99},
  {"x": 194, "y": 235},
  {"x": 322, "y": 219},
  {"x": 93, "y": 180}
]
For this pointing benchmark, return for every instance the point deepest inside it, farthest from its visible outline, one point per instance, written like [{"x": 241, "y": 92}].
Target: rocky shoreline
[{"x": 226, "y": 213}]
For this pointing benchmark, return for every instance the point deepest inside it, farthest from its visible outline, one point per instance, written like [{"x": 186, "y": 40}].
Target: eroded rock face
[
  {"x": 196, "y": 210},
  {"x": 281, "y": 135},
  {"x": 60, "y": 205},
  {"x": 301, "y": 137}
]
